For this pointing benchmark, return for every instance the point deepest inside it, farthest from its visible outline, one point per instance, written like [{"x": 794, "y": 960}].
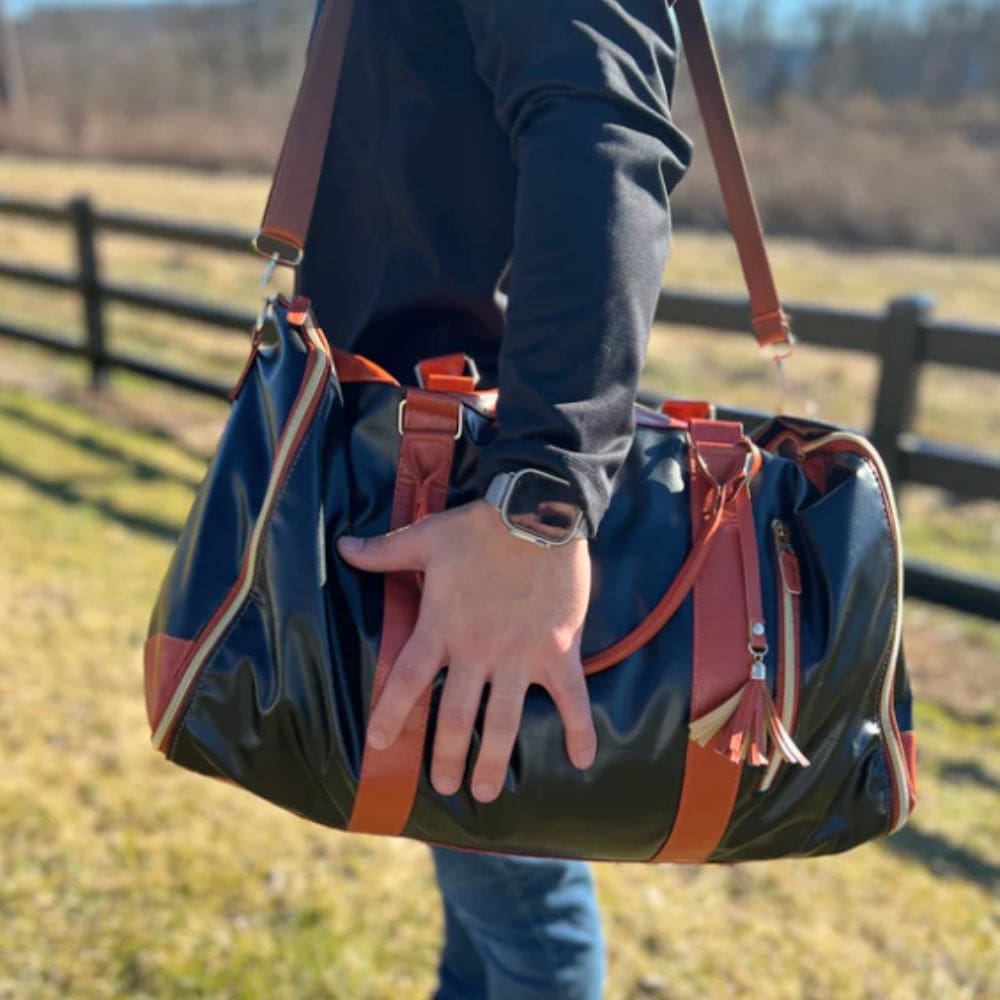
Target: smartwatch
[{"x": 537, "y": 507}]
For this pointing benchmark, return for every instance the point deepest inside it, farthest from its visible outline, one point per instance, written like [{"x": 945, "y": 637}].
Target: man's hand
[{"x": 495, "y": 610}]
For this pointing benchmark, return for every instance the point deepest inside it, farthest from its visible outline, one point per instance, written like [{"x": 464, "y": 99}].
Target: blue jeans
[{"x": 518, "y": 929}]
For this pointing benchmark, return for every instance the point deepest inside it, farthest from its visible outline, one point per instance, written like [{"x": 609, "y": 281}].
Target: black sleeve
[{"x": 583, "y": 88}]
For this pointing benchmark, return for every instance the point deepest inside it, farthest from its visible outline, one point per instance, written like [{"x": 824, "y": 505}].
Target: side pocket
[{"x": 789, "y": 615}]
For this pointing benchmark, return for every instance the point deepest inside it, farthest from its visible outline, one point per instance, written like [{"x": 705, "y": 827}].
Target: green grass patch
[{"x": 121, "y": 875}]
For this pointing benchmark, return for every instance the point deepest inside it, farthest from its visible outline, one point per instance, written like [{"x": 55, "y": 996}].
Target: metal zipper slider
[{"x": 788, "y": 561}]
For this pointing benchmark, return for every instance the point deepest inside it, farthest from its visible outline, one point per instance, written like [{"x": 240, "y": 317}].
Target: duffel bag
[{"x": 742, "y": 643}]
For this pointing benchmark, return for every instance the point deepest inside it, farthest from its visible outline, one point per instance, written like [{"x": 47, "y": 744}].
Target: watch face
[{"x": 543, "y": 507}]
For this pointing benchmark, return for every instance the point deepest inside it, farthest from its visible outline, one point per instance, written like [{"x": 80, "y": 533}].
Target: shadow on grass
[
  {"x": 967, "y": 718},
  {"x": 969, "y": 772},
  {"x": 944, "y": 858},
  {"x": 136, "y": 467},
  {"x": 64, "y": 493}
]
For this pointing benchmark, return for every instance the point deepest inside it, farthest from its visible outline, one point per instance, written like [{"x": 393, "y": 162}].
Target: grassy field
[{"x": 120, "y": 875}]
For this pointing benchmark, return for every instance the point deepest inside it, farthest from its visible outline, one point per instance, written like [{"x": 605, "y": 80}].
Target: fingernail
[
  {"x": 446, "y": 785},
  {"x": 585, "y": 759},
  {"x": 484, "y": 791},
  {"x": 349, "y": 544},
  {"x": 378, "y": 739}
]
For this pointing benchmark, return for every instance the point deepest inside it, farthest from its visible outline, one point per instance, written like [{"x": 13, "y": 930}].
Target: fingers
[
  {"x": 404, "y": 549},
  {"x": 503, "y": 719},
  {"x": 463, "y": 692},
  {"x": 412, "y": 673},
  {"x": 568, "y": 687}
]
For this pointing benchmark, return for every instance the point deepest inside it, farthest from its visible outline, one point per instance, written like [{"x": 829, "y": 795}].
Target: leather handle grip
[{"x": 282, "y": 235}]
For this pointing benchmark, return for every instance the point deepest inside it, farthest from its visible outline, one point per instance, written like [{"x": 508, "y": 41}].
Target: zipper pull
[{"x": 788, "y": 561}]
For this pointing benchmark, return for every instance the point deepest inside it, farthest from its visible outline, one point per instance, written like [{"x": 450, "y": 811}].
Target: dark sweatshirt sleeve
[{"x": 583, "y": 88}]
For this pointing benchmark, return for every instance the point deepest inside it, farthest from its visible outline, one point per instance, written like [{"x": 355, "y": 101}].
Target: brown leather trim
[
  {"x": 247, "y": 367},
  {"x": 163, "y": 660},
  {"x": 909, "y": 741},
  {"x": 687, "y": 409},
  {"x": 389, "y": 778},
  {"x": 770, "y": 322},
  {"x": 721, "y": 657},
  {"x": 296, "y": 177},
  {"x": 355, "y": 368},
  {"x": 444, "y": 364},
  {"x": 439, "y": 382}
]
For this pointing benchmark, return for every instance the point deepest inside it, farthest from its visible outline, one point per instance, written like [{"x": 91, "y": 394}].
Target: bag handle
[{"x": 290, "y": 205}]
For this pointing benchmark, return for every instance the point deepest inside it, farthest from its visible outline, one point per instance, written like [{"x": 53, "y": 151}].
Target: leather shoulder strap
[
  {"x": 770, "y": 322},
  {"x": 289, "y": 208}
]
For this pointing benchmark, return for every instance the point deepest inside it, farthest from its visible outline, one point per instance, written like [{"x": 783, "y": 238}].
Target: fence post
[
  {"x": 82, "y": 215},
  {"x": 902, "y": 356}
]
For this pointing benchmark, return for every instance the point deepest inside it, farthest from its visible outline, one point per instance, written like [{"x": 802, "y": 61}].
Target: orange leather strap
[
  {"x": 770, "y": 322},
  {"x": 293, "y": 193},
  {"x": 388, "y": 783},
  {"x": 711, "y": 780},
  {"x": 296, "y": 178},
  {"x": 448, "y": 373}
]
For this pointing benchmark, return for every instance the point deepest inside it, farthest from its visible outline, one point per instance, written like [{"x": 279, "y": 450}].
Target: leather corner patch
[
  {"x": 909, "y": 740},
  {"x": 163, "y": 659}
]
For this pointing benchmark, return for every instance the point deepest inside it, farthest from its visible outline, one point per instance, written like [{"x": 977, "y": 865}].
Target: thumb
[{"x": 403, "y": 549}]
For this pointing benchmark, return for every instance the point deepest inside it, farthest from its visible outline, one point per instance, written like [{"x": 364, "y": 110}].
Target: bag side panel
[
  {"x": 210, "y": 552},
  {"x": 281, "y": 708},
  {"x": 850, "y": 604}
]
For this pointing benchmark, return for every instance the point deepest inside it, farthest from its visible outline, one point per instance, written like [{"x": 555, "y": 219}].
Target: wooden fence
[{"x": 905, "y": 336}]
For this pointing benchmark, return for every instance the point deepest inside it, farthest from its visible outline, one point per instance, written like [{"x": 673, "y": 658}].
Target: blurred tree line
[
  {"x": 853, "y": 111},
  {"x": 941, "y": 53}
]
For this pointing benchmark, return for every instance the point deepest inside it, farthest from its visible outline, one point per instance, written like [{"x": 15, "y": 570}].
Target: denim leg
[
  {"x": 462, "y": 972},
  {"x": 533, "y": 923}
]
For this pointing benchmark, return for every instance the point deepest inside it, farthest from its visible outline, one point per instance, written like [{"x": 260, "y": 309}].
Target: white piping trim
[{"x": 314, "y": 385}]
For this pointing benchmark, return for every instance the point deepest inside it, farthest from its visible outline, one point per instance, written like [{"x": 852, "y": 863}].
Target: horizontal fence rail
[{"x": 905, "y": 337}]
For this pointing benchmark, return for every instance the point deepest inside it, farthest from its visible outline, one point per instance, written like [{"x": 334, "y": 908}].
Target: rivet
[{"x": 758, "y": 629}]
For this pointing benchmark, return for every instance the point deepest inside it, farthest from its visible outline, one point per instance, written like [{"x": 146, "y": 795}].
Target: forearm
[
  {"x": 591, "y": 241},
  {"x": 583, "y": 90}
]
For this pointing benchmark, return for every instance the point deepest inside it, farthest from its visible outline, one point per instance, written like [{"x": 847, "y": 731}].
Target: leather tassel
[{"x": 739, "y": 728}]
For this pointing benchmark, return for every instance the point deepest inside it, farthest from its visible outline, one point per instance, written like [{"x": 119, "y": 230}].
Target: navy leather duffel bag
[{"x": 742, "y": 643}]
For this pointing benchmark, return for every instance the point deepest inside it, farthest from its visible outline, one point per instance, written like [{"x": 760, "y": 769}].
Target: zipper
[
  {"x": 299, "y": 420},
  {"x": 788, "y": 680},
  {"x": 887, "y": 715}
]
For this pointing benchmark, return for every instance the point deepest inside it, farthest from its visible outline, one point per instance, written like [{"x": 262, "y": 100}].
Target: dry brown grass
[
  {"x": 864, "y": 174},
  {"x": 868, "y": 174}
]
